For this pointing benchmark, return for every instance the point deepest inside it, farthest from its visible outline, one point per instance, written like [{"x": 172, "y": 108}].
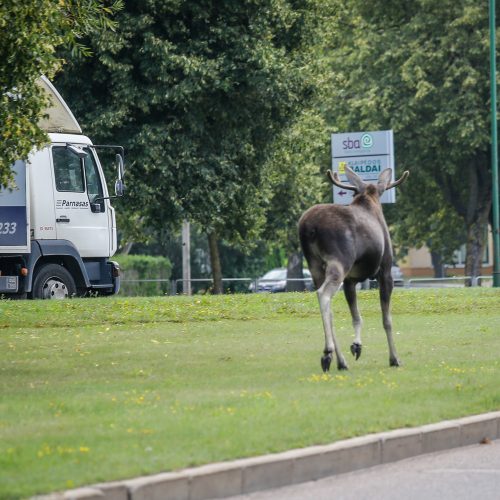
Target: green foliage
[
  {"x": 296, "y": 170},
  {"x": 197, "y": 93},
  {"x": 32, "y": 31},
  {"x": 442, "y": 230},
  {"x": 237, "y": 262},
  {"x": 422, "y": 69},
  {"x": 143, "y": 267},
  {"x": 113, "y": 388}
]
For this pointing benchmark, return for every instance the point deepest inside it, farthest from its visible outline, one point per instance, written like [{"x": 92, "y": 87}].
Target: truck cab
[{"x": 57, "y": 226}]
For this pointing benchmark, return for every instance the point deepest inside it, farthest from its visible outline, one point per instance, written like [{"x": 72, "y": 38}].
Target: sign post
[
  {"x": 186, "y": 257},
  {"x": 368, "y": 154}
]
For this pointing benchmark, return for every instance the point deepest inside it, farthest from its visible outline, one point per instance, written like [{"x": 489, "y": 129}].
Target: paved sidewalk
[
  {"x": 244, "y": 476},
  {"x": 466, "y": 473}
]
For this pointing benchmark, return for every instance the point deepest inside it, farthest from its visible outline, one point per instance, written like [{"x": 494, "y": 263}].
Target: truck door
[{"x": 81, "y": 213}]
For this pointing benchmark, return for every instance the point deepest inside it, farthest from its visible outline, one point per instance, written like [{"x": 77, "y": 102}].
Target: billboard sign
[{"x": 367, "y": 153}]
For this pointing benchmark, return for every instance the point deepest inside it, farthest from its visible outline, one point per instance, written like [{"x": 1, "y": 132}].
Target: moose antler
[
  {"x": 405, "y": 175},
  {"x": 334, "y": 177}
]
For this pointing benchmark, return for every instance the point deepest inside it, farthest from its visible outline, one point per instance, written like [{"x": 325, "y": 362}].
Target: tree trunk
[
  {"x": 475, "y": 209},
  {"x": 294, "y": 271},
  {"x": 475, "y": 248},
  {"x": 478, "y": 210},
  {"x": 215, "y": 263},
  {"x": 125, "y": 249},
  {"x": 438, "y": 265}
]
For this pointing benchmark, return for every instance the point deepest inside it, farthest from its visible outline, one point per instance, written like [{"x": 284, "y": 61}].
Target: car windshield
[{"x": 275, "y": 274}]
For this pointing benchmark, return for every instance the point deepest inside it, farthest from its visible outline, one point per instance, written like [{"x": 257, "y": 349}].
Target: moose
[{"x": 349, "y": 244}]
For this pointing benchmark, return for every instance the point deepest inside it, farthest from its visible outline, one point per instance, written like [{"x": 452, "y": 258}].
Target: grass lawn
[{"x": 101, "y": 389}]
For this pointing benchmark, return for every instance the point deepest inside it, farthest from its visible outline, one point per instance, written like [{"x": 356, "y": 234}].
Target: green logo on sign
[{"x": 366, "y": 141}]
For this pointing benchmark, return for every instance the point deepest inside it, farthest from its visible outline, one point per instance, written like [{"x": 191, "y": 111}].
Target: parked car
[
  {"x": 397, "y": 276},
  {"x": 275, "y": 281}
]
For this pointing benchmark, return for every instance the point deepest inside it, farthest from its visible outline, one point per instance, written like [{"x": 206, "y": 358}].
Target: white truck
[{"x": 57, "y": 226}]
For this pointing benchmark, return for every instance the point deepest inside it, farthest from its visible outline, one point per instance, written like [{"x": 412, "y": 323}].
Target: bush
[{"x": 144, "y": 267}]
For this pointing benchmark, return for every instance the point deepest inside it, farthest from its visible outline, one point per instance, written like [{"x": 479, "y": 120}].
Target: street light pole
[{"x": 494, "y": 149}]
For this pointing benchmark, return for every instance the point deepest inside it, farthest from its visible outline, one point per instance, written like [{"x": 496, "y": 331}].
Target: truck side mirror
[
  {"x": 120, "y": 167},
  {"x": 119, "y": 187},
  {"x": 119, "y": 184}
]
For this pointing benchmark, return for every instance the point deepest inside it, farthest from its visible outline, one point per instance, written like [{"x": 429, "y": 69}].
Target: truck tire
[{"x": 53, "y": 281}]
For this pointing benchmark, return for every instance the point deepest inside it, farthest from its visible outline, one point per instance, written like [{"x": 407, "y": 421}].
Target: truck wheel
[{"x": 53, "y": 282}]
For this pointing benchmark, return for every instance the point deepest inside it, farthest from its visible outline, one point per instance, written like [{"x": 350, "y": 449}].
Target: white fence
[
  {"x": 255, "y": 281},
  {"x": 451, "y": 282},
  {"x": 175, "y": 286}
]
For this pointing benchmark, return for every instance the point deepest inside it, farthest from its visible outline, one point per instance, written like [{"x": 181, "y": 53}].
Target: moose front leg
[
  {"x": 386, "y": 285},
  {"x": 357, "y": 322}
]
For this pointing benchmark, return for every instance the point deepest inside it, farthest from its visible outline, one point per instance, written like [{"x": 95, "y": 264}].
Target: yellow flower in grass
[{"x": 324, "y": 377}]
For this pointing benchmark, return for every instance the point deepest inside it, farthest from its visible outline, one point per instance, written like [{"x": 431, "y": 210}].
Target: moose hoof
[
  {"x": 326, "y": 361},
  {"x": 356, "y": 350},
  {"x": 394, "y": 362},
  {"x": 341, "y": 364}
]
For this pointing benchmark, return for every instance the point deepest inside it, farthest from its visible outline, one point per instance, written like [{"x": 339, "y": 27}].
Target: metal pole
[
  {"x": 186, "y": 258},
  {"x": 494, "y": 150}
]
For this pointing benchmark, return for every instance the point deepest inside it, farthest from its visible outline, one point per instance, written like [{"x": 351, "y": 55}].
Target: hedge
[{"x": 143, "y": 267}]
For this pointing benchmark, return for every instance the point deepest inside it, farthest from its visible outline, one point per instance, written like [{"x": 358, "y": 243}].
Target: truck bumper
[
  {"x": 9, "y": 284},
  {"x": 115, "y": 273}
]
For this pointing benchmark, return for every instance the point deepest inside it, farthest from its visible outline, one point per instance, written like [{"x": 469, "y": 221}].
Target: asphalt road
[{"x": 468, "y": 473}]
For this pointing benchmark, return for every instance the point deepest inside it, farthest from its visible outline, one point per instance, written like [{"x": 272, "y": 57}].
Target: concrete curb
[{"x": 271, "y": 471}]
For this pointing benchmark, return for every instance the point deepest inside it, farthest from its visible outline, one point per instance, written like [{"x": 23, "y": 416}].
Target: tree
[
  {"x": 296, "y": 181},
  {"x": 421, "y": 68},
  {"x": 197, "y": 91},
  {"x": 32, "y": 30},
  {"x": 301, "y": 155},
  {"x": 442, "y": 230}
]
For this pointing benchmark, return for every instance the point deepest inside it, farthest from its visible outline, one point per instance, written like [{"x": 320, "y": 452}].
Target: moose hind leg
[
  {"x": 386, "y": 285},
  {"x": 357, "y": 322},
  {"x": 332, "y": 282}
]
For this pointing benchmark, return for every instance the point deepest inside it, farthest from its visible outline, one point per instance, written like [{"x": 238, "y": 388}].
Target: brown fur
[{"x": 349, "y": 244}]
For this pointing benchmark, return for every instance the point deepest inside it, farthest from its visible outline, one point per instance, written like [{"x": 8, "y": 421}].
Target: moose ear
[
  {"x": 383, "y": 180},
  {"x": 355, "y": 180}
]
